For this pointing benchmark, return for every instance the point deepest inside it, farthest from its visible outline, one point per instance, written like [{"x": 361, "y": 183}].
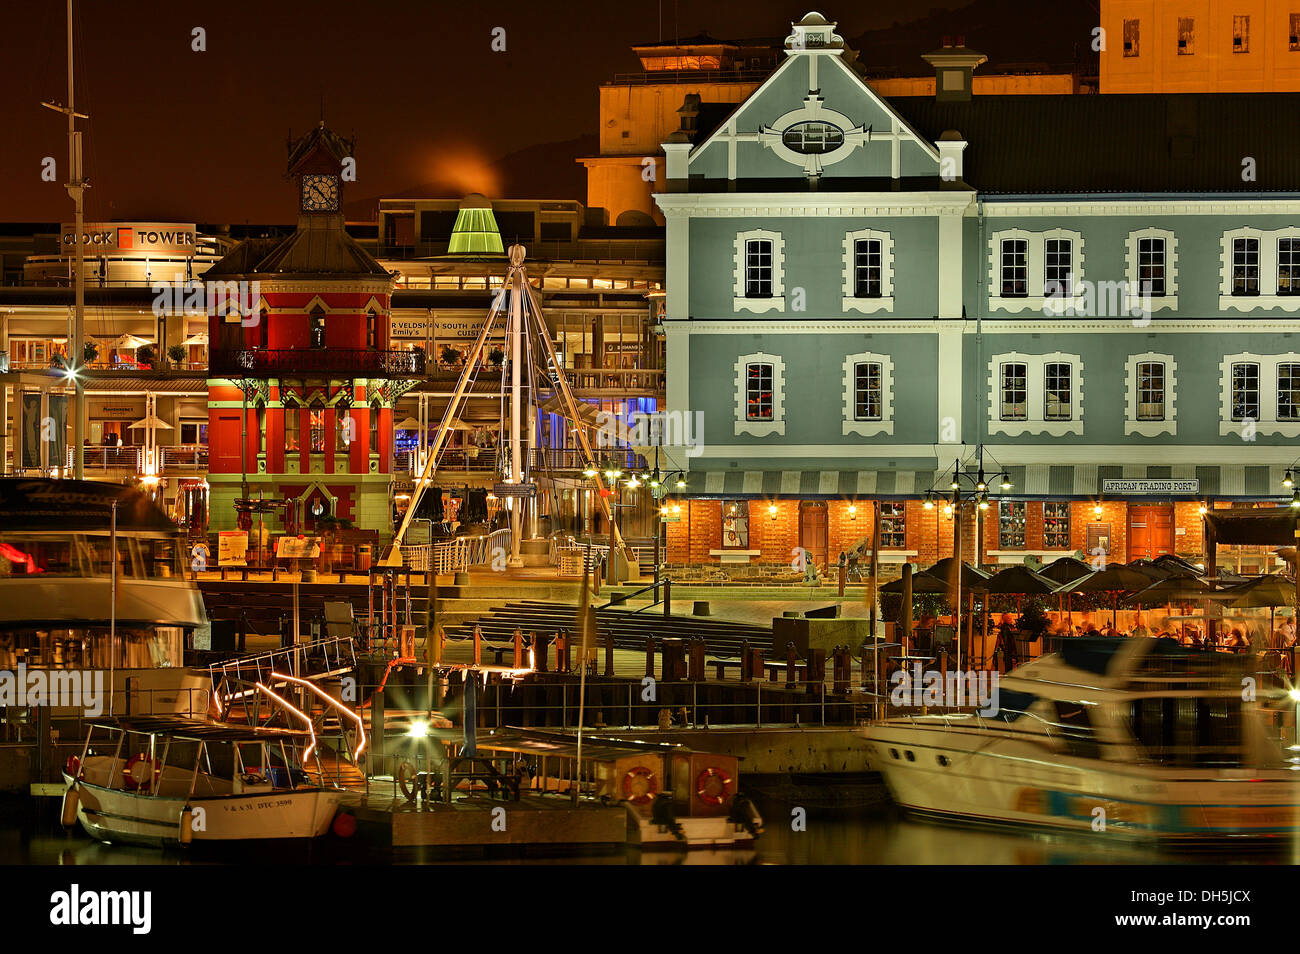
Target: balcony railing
[
  {"x": 603, "y": 379},
  {"x": 354, "y": 361},
  {"x": 172, "y": 458}
]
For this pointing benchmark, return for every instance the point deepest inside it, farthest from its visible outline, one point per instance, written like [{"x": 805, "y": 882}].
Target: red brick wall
[{"x": 1187, "y": 517}]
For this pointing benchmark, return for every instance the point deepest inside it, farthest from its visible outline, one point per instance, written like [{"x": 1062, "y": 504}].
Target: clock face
[{"x": 320, "y": 193}]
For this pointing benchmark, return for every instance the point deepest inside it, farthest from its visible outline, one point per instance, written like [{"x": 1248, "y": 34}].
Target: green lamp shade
[{"x": 475, "y": 233}]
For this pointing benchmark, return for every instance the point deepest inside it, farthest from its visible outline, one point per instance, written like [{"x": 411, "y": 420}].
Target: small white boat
[
  {"x": 161, "y": 781},
  {"x": 1131, "y": 737}
]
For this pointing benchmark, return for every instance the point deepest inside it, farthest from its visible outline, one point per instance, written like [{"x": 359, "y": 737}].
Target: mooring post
[
  {"x": 609, "y": 653},
  {"x": 650, "y": 656},
  {"x": 519, "y": 648},
  {"x": 668, "y": 597}
]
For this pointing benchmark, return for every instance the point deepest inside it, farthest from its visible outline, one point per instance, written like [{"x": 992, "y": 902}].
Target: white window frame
[
  {"x": 1142, "y": 428},
  {"x": 1268, "y": 296},
  {"x": 1036, "y": 399},
  {"x": 761, "y": 428},
  {"x": 1036, "y": 262},
  {"x": 1170, "y": 298},
  {"x": 886, "y": 300},
  {"x": 757, "y": 305},
  {"x": 885, "y": 425},
  {"x": 1268, "y": 422}
]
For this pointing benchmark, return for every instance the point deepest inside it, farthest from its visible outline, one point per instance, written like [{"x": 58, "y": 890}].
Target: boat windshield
[
  {"x": 139, "y": 556},
  {"x": 1190, "y": 731}
]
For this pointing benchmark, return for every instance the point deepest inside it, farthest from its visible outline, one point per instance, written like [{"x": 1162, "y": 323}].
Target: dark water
[{"x": 874, "y": 835}]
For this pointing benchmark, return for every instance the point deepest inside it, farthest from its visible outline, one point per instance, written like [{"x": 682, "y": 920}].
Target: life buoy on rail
[
  {"x": 640, "y": 785},
  {"x": 144, "y": 780},
  {"x": 712, "y": 786},
  {"x": 72, "y": 768}
]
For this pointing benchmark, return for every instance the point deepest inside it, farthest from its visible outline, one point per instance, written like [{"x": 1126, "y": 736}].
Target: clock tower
[{"x": 303, "y": 382}]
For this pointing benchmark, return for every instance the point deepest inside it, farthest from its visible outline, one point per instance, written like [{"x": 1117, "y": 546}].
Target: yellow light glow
[
  {"x": 418, "y": 730},
  {"x": 853, "y": 511}
]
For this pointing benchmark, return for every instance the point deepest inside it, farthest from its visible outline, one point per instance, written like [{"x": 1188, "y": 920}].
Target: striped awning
[{"x": 1030, "y": 480}]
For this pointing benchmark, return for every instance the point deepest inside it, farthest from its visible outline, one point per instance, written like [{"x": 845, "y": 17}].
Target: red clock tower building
[{"x": 303, "y": 383}]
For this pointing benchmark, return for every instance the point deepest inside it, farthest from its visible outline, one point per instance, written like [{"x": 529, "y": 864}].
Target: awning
[
  {"x": 1266, "y": 528},
  {"x": 1064, "y": 481}
]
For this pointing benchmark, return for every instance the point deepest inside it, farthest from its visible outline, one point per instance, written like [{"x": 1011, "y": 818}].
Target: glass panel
[
  {"x": 1015, "y": 268},
  {"x": 1056, "y": 525},
  {"x": 1057, "y": 404},
  {"x": 1151, "y": 391},
  {"x": 867, "y": 392},
  {"x": 758, "y": 392},
  {"x": 1015, "y": 392},
  {"x": 1245, "y": 391},
  {"x": 1011, "y": 524},
  {"x": 866, "y": 268},
  {"x": 758, "y": 268},
  {"x": 893, "y": 524}
]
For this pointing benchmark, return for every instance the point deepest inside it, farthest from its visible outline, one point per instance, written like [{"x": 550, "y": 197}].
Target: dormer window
[{"x": 809, "y": 138}]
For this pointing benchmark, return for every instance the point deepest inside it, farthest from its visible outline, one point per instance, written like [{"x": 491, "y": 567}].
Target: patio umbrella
[
  {"x": 1018, "y": 580},
  {"x": 127, "y": 342},
  {"x": 922, "y": 582},
  {"x": 1149, "y": 568},
  {"x": 972, "y": 578},
  {"x": 151, "y": 420},
  {"x": 1115, "y": 579},
  {"x": 1271, "y": 591},
  {"x": 1065, "y": 570},
  {"x": 407, "y": 424},
  {"x": 199, "y": 339},
  {"x": 1168, "y": 561},
  {"x": 1173, "y": 589}
]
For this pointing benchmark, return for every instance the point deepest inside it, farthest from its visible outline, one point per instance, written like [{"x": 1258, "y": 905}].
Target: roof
[
  {"x": 1188, "y": 143},
  {"x": 46, "y": 504},
  {"x": 320, "y": 247},
  {"x": 198, "y": 730},
  {"x": 1183, "y": 143}
]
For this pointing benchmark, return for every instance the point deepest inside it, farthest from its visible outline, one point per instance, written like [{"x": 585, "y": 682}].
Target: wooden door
[
  {"x": 1150, "y": 530},
  {"x": 813, "y": 533}
]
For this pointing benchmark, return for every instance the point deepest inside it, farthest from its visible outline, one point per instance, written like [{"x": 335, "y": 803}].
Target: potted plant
[
  {"x": 496, "y": 356},
  {"x": 177, "y": 355},
  {"x": 145, "y": 357},
  {"x": 450, "y": 355},
  {"x": 90, "y": 352},
  {"x": 59, "y": 362}
]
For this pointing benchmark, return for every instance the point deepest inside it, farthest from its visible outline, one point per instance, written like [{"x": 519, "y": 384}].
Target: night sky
[{"x": 178, "y": 135}]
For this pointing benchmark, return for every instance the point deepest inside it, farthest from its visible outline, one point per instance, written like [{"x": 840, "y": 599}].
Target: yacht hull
[
  {"x": 113, "y": 815},
  {"x": 971, "y": 776}
]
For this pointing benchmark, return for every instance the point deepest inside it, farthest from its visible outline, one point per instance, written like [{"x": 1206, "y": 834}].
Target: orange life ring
[
  {"x": 147, "y": 784},
  {"x": 72, "y": 767},
  {"x": 640, "y": 785},
  {"x": 711, "y": 786}
]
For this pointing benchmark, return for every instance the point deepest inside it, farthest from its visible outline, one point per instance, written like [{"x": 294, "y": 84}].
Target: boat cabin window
[
  {"x": 1074, "y": 728},
  {"x": 84, "y": 555},
  {"x": 1189, "y": 731}
]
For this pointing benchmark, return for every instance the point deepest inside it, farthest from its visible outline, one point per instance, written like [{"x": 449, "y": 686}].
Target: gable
[{"x": 814, "y": 117}]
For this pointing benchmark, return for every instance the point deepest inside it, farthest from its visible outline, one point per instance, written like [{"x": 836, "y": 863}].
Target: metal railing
[
  {"x": 451, "y": 556},
  {"x": 172, "y": 458},
  {"x": 300, "y": 360},
  {"x": 328, "y": 654}
]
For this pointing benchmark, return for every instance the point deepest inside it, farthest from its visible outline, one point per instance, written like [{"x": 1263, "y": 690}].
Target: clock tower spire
[{"x": 316, "y": 163}]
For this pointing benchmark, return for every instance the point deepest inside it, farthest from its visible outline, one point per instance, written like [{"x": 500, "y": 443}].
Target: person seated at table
[
  {"x": 1236, "y": 641},
  {"x": 1140, "y": 627},
  {"x": 1111, "y": 632},
  {"x": 1092, "y": 630}
]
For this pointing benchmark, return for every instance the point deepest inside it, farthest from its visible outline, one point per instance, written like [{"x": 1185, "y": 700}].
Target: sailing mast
[{"x": 76, "y": 187}]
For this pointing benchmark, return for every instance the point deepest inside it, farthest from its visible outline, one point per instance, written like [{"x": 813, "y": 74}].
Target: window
[
  {"x": 813, "y": 137},
  {"x": 735, "y": 524},
  {"x": 1015, "y": 392},
  {"x": 194, "y": 432},
  {"x": 1057, "y": 403},
  {"x": 893, "y": 525},
  {"x": 758, "y": 268},
  {"x": 1151, "y": 391},
  {"x": 866, "y": 268},
  {"x": 1293, "y": 39},
  {"x": 316, "y": 426},
  {"x": 1011, "y": 524},
  {"x": 1015, "y": 268},
  {"x": 1151, "y": 267},
  {"x": 1131, "y": 37},
  {"x": 1241, "y": 34},
  {"x": 1186, "y": 36},
  {"x": 1057, "y": 273},
  {"x": 374, "y": 428},
  {"x": 291, "y": 426},
  {"x": 1245, "y": 266},
  {"x": 760, "y": 398},
  {"x": 758, "y": 392},
  {"x": 372, "y": 330},
  {"x": 1288, "y": 392},
  {"x": 868, "y": 260},
  {"x": 1245, "y": 391},
  {"x": 345, "y": 430},
  {"x": 1056, "y": 525},
  {"x": 867, "y": 403},
  {"x": 317, "y": 319},
  {"x": 758, "y": 285},
  {"x": 1288, "y": 266}
]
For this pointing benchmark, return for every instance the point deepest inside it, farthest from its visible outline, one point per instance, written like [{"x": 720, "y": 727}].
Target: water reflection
[{"x": 858, "y": 837}]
